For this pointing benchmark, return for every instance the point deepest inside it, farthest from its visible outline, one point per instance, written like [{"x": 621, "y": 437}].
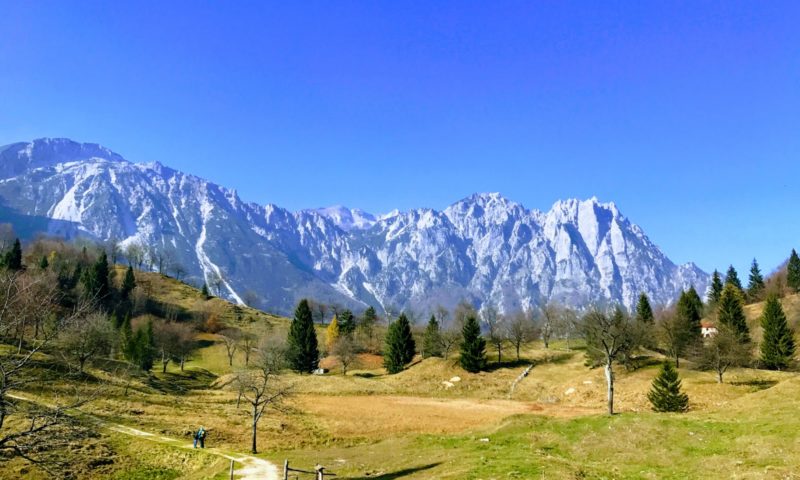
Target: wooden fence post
[
  {"x": 231, "y": 469},
  {"x": 286, "y": 469}
]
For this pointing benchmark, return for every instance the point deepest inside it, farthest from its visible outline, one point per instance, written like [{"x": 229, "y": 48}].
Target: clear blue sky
[{"x": 687, "y": 114}]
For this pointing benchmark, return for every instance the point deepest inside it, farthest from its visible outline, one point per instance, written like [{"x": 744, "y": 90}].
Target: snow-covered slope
[{"x": 484, "y": 248}]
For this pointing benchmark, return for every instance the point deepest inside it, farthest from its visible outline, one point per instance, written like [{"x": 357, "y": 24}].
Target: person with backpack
[{"x": 201, "y": 437}]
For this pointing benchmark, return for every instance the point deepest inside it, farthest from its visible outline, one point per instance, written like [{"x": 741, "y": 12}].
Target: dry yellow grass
[{"x": 379, "y": 416}]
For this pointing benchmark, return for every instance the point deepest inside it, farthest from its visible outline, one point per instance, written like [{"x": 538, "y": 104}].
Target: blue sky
[{"x": 686, "y": 114}]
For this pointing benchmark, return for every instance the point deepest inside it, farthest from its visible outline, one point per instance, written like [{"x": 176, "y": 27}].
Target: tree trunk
[
  {"x": 81, "y": 361},
  {"x": 499, "y": 354},
  {"x": 183, "y": 361},
  {"x": 255, "y": 423},
  {"x": 610, "y": 382},
  {"x": 719, "y": 376},
  {"x": 677, "y": 361},
  {"x": 518, "y": 352}
]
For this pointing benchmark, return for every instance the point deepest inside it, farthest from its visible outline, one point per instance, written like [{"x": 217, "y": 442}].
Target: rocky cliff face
[{"x": 484, "y": 248}]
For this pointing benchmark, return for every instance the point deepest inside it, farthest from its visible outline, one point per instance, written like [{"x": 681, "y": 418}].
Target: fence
[{"x": 319, "y": 471}]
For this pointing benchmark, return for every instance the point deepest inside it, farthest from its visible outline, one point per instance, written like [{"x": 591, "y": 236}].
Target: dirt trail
[
  {"x": 249, "y": 467},
  {"x": 246, "y": 467}
]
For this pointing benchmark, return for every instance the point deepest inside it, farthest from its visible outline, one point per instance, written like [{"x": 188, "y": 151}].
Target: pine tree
[
  {"x": 756, "y": 285},
  {"x": 204, "y": 292},
  {"x": 793, "y": 272},
  {"x": 400, "y": 345},
  {"x": 332, "y": 334},
  {"x": 432, "y": 341},
  {"x": 128, "y": 283},
  {"x": 694, "y": 297},
  {"x": 730, "y": 312},
  {"x": 95, "y": 279},
  {"x": 689, "y": 313},
  {"x": 716, "y": 288},
  {"x": 665, "y": 394},
  {"x": 473, "y": 346},
  {"x": 644, "y": 312},
  {"x": 43, "y": 263},
  {"x": 302, "y": 353},
  {"x": 13, "y": 258},
  {"x": 347, "y": 323},
  {"x": 732, "y": 278},
  {"x": 777, "y": 346}
]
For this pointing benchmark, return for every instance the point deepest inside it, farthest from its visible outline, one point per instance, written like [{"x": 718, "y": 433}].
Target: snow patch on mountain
[{"x": 485, "y": 248}]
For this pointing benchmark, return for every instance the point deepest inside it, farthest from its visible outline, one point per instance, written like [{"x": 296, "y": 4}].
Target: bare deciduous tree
[
  {"x": 722, "y": 351},
  {"x": 345, "y": 351},
  {"x": 248, "y": 341},
  {"x": 608, "y": 337},
  {"x": 85, "y": 338},
  {"x": 44, "y": 428},
  {"x": 230, "y": 338},
  {"x": 262, "y": 386},
  {"x": 216, "y": 282},
  {"x": 178, "y": 269},
  {"x": 185, "y": 344},
  {"x": 521, "y": 329},
  {"x": 550, "y": 319},
  {"x": 7, "y": 236},
  {"x": 495, "y": 332},
  {"x": 168, "y": 336},
  {"x": 135, "y": 253}
]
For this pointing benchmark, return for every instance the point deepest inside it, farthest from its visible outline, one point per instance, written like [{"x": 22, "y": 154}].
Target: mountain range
[{"x": 485, "y": 248}]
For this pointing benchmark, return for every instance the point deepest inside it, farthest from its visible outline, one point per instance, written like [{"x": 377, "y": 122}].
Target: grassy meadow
[{"x": 434, "y": 420}]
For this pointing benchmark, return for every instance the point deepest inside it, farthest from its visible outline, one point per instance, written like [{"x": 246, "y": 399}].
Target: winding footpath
[{"x": 247, "y": 467}]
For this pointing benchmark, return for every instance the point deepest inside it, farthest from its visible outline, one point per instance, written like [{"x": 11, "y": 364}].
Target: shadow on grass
[
  {"x": 756, "y": 384},
  {"x": 508, "y": 364},
  {"x": 366, "y": 375},
  {"x": 398, "y": 474},
  {"x": 181, "y": 383}
]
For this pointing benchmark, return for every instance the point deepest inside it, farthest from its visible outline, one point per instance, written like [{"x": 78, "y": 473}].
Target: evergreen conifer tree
[
  {"x": 432, "y": 341},
  {"x": 732, "y": 278},
  {"x": 793, "y": 272},
  {"x": 43, "y": 262},
  {"x": 756, "y": 285},
  {"x": 665, "y": 394},
  {"x": 777, "y": 346},
  {"x": 400, "y": 345},
  {"x": 95, "y": 279},
  {"x": 473, "y": 346},
  {"x": 730, "y": 312},
  {"x": 204, "y": 291},
  {"x": 13, "y": 258},
  {"x": 696, "y": 300},
  {"x": 716, "y": 288},
  {"x": 689, "y": 313},
  {"x": 644, "y": 312},
  {"x": 302, "y": 348},
  {"x": 128, "y": 283},
  {"x": 347, "y": 323}
]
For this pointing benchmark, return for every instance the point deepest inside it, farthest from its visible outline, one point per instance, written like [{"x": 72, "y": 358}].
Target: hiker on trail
[{"x": 201, "y": 437}]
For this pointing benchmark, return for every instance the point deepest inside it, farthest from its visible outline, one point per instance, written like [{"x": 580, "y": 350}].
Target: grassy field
[{"x": 436, "y": 421}]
